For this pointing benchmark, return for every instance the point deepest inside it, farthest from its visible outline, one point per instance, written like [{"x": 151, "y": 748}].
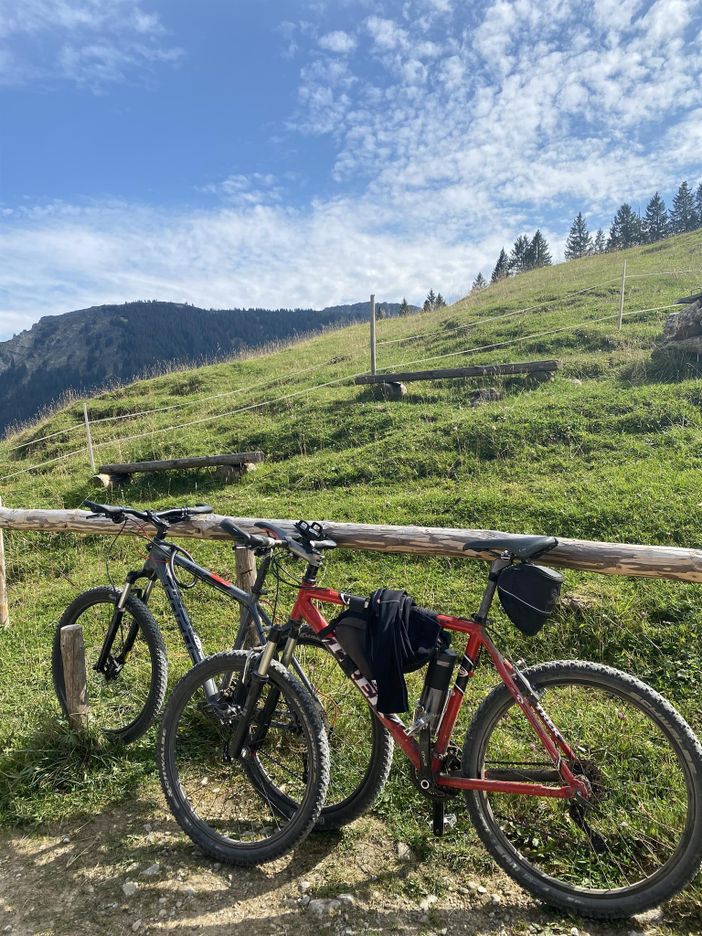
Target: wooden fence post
[
  {"x": 372, "y": 333},
  {"x": 90, "y": 438},
  {"x": 621, "y": 298},
  {"x": 245, "y": 578},
  {"x": 4, "y": 607},
  {"x": 74, "y": 676}
]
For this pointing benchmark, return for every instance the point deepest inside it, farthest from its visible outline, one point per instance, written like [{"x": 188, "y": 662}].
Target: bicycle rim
[
  {"x": 637, "y": 828},
  {"x": 119, "y": 697},
  {"x": 226, "y": 811}
]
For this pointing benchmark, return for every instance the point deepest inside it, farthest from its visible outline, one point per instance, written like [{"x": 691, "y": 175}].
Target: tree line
[
  {"x": 628, "y": 229},
  {"x": 433, "y": 302}
]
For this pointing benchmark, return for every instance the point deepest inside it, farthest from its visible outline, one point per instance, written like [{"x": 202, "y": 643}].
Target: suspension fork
[
  {"x": 259, "y": 678},
  {"x": 113, "y": 627}
]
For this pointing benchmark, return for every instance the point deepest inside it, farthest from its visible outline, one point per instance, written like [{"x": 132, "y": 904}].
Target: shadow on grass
[
  {"x": 194, "y": 487},
  {"x": 663, "y": 368},
  {"x": 53, "y": 773}
]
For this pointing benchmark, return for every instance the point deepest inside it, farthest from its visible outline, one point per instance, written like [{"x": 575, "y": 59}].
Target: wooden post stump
[
  {"x": 387, "y": 391},
  {"x": 245, "y": 578},
  {"x": 74, "y": 676},
  {"x": 229, "y": 473},
  {"x": 109, "y": 481},
  {"x": 394, "y": 390}
]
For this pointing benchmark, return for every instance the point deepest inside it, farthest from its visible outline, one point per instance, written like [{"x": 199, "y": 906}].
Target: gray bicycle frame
[{"x": 159, "y": 566}]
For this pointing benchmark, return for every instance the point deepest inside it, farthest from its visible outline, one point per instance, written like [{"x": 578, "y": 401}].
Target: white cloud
[
  {"x": 87, "y": 42},
  {"x": 338, "y": 41},
  {"x": 386, "y": 34},
  {"x": 455, "y": 131},
  {"x": 256, "y": 188},
  {"x": 73, "y": 257}
]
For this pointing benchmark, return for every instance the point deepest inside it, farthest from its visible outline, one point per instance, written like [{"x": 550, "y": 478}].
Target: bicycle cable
[{"x": 171, "y": 567}]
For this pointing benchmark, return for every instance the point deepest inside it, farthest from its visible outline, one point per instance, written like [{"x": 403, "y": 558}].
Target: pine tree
[
  {"x": 538, "y": 253},
  {"x": 479, "y": 283},
  {"x": 625, "y": 230},
  {"x": 404, "y": 307},
  {"x": 579, "y": 242},
  {"x": 698, "y": 204},
  {"x": 683, "y": 217},
  {"x": 430, "y": 301},
  {"x": 599, "y": 245},
  {"x": 440, "y": 302},
  {"x": 518, "y": 256},
  {"x": 501, "y": 267},
  {"x": 655, "y": 225}
]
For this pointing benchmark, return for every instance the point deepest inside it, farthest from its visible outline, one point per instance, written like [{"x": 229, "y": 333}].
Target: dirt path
[{"x": 79, "y": 879}]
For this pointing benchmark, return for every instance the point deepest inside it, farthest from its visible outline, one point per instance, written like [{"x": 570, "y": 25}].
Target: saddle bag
[{"x": 528, "y": 594}]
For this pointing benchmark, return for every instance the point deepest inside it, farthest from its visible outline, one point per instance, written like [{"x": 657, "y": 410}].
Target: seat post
[{"x": 489, "y": 593}]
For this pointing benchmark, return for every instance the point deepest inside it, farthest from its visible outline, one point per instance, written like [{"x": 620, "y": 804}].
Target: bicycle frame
[
  {"x": 477, "y": 640},
  {"x": 158, "y": 566}
]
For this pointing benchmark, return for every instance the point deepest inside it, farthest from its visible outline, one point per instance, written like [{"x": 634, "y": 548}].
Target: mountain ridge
[{"x": 87, "y": 349}]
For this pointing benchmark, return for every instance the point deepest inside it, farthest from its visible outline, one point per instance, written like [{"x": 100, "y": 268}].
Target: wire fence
[
  {"x": 494, "y": 318},
  {"x": 273, "y": 400}
]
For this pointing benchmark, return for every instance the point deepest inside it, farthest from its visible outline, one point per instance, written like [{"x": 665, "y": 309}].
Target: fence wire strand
[
  {"x": 494, "y": 318},
  {"x": 509, "y": 341},
  {"x": 338, "y": 380}
]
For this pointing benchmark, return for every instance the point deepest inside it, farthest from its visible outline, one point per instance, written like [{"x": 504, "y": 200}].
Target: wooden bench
[
  {"x": 229, "y": 466},
  {"x": 539, "y": 370}
]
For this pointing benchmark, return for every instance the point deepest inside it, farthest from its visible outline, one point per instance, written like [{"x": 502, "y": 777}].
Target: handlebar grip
[
  {"x": 279, "y": 532},
  {"x": 201, "y": 509},
  {"x": 244, "y": 538},
  {"x": 99, "y": 508},
  {"x": 234, "y": 531}
]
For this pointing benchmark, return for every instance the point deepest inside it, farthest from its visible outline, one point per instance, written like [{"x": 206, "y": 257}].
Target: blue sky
[{"x": 261, "y": 152}]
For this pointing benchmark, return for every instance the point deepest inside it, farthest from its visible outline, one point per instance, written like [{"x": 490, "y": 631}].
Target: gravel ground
[{"x": 132, "y": 871}]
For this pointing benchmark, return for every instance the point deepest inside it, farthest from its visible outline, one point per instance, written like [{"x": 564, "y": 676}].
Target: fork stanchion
[
  {"x": 245, "y": 578},
  {"x": 74, "y": 676}
]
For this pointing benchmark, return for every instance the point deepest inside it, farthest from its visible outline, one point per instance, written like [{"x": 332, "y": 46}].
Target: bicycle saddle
[{"x": 517, "y": 545}]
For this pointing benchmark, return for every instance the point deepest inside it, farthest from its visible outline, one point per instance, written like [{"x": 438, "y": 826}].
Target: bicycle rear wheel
[
  {"x": 360, "y": 747},
  {"x": 125, "y": 699},
  {"x": 210, "y": 791},
  {"x": 639, "y": 841}
]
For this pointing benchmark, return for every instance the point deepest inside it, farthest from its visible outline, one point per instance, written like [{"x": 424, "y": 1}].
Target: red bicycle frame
[{"x": 477, "y": 640}]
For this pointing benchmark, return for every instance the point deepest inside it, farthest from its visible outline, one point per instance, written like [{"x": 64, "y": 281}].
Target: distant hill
[{"x": 89, "y": 348}]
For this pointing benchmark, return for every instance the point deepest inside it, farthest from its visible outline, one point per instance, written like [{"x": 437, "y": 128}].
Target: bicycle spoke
[{"x": 639, "y": 805}]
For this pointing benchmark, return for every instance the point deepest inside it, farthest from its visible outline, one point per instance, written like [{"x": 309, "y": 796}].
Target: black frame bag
[
  {"x": 352, "y": 630},
  {"x": 529, "y": 594}
]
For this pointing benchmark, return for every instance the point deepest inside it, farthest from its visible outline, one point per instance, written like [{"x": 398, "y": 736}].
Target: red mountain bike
[{"x": 583, "y": 783}]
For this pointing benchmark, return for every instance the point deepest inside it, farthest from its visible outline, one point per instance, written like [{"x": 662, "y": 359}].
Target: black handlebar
[
  {"x": 305, "y": 543},
  {"x": 159, "y": 518},
  {"x": 300, "y": 545}
]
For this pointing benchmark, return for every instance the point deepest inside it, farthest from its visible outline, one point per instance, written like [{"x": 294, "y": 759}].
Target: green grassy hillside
[{"x": 611, "y": 449}]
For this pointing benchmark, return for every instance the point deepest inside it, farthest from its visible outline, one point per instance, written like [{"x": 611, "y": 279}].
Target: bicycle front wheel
[
  {"x": 639, "y": 839},
  {"x": 210, "y": 789},
  {"x": 125, "y": 698}
]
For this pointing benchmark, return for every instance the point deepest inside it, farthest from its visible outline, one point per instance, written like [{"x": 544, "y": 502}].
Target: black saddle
[{"x": 518, "y": 545}]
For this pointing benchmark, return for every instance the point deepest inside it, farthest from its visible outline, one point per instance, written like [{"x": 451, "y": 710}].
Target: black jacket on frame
[{"x": 390, "y": 637}]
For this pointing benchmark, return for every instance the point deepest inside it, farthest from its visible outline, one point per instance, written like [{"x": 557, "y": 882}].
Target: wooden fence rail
[{"x": 667, "y": 562}]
